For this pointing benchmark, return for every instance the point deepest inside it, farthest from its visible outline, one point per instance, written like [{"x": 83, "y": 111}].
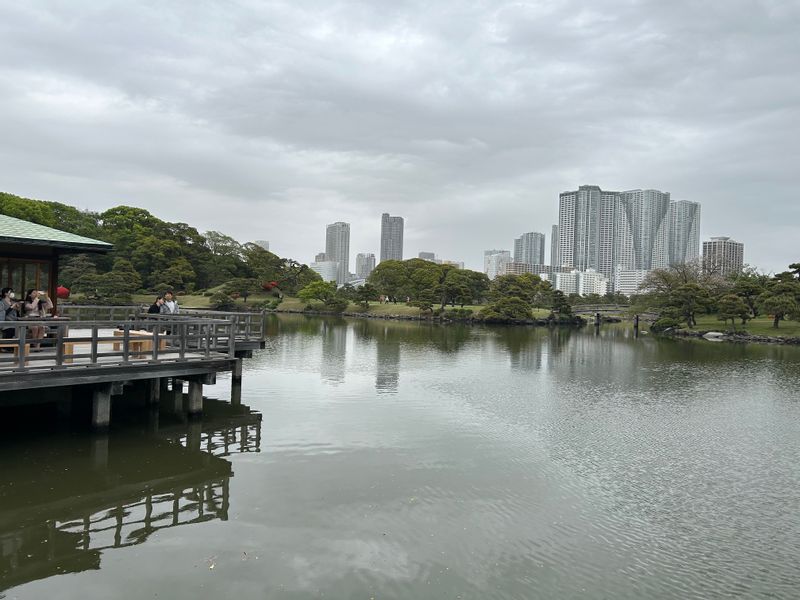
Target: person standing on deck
[
  {"x": 170, "y": 306},
  {"x": 8, "y": 310},
  {"x": 37, "y": 305}
]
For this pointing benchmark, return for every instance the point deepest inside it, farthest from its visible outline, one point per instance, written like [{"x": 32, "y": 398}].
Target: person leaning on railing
[
  {"x": 37, "y": 306},
  {"x": 8, "y": 312}
]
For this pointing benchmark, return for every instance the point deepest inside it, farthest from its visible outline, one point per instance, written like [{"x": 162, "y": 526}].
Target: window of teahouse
[{"x": 23, "y": 275}]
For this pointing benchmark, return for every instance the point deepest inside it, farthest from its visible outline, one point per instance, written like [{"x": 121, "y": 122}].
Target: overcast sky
[{"x": 268, "y": 120}]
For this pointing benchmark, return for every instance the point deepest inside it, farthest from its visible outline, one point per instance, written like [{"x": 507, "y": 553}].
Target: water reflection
[
  {"x": 67, "y": 499},
  {"x": 334, "y": 350}
]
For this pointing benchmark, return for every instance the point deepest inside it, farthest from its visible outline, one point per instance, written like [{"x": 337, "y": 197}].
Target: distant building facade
[
  {"x": 494, "y": 262},
  {"x": 365, "y": 264},
  {"x": 555, "y": 261},
  {"x": 685, "y": 232},
  {"x": 722, "y": 256},
  {"x": 337, "y": 249},
  {"x": 628, "y": 281},
  {"x": 429, "y": 256},
  {"x": 391, "y": 237},
  {"x": 582, "y": 283},
  {"x": 529, "y": 248},
  {"x": 327, "y": 269},
  {"x": 263, "y": 243},
  {"x": 320, "y": 257}
]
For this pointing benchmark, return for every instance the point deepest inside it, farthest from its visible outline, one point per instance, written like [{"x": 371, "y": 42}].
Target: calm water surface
[{"x": 399, "y": 460}]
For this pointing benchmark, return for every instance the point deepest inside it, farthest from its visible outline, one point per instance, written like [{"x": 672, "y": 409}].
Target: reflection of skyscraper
[
  {"x": 337, "y": 249},
  {"x": 334, "y": 351},
  {"x": 387, "y": 361},
  {"x": 391, "y": 237}
]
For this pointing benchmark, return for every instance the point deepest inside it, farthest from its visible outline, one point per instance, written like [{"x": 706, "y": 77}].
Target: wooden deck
[{"x": 92, "y": 352}]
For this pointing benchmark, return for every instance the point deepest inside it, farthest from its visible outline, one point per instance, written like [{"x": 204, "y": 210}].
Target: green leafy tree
[
  {"x": 322, "y": 291},
  {"x": 507, "y": 310},
  {"x": 222, "y": 301},
  {"x": 732, "y": 307},
  {"x": 244, "y": 286},
  {"x": 689, "y": 299},
  {"x": 560, "y": 306},
  {"x": 365, "y": 294}
]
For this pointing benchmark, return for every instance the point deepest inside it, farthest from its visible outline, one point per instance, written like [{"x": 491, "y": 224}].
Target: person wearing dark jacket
[{"x": 155, "y": 307}]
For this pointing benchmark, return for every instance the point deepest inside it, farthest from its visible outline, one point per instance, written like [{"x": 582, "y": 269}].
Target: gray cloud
[{"x": 269, "y": 120}]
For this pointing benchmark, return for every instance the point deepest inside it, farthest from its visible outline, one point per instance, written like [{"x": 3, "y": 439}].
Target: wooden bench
[
  {"x": 139, "y": 341},
  {"x": 15, "y": 348}
]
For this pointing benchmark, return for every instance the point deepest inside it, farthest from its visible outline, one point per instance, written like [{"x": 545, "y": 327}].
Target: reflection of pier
[{"x": 51, "y": 524}]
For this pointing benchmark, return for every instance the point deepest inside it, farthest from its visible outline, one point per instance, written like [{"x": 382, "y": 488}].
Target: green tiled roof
[{"x": 17, "y": 231}]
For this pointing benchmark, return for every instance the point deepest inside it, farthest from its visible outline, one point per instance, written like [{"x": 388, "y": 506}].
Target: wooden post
[
  {"x": 236, "y": 374},
  {"x": 154, "y": 391},
  {"x": 236, "y": 393},
  {"x": 195, "y": 397},
  {"x": 101, "y": 406}
]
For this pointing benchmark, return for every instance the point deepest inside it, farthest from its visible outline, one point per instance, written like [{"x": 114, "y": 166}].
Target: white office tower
[
  {"x": 529, "y": 248},
  {"x": 722, "y": 256},
  {"x": 391, "y": 237},
  {"x": 365, "y": 264},
  {"x": 327, "y": 269},
  {"x": 592, "y": 282},
  {"x": 494, "y": 262},
  {"x": 555, "y": 261},
  {"x": 648, "y": 212},
  {"x": 337, "y": 249},
  {"x": 685, "y": 232}
]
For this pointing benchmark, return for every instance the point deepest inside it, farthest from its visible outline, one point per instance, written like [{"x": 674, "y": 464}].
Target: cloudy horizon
[{"x": 271, "y": 120}]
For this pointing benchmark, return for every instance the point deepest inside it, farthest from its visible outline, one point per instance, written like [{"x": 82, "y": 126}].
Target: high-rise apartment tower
[
  {"x": 391, "y": 237},
  {"x": 337, "y": 248},
  {"x": 365, "y": 264},
  {"x": 529, "y": 248}
]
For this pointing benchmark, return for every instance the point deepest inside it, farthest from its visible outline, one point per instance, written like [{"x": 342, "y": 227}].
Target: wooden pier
[{"x": 102, "y": 357}]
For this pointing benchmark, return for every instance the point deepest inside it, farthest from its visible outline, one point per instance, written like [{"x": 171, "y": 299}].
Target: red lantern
[{"x": 62, "y": 292}]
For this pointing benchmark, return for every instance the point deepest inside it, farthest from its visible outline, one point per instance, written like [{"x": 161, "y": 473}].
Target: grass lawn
[{"x": 758, "y": 326}]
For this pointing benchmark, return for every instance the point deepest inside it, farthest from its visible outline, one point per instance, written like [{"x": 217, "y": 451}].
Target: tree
[
  {"x": 222, "y": 301},
  {"x": 560, "y": 305},
  {"x": 689, "y": 299},
  {"x": 364, "y": 294},
  {"x": 748, "y": 287},
  {"x": 244, "y": 286},
  {"x": 317, "y": 290},
  {"x": 125, "y": 270},
  {"x": 507, "y": 310},
  {"x": 732, "y": 307}
]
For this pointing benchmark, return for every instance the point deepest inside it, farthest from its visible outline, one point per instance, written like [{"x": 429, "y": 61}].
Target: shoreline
[
  {"x": 731, "y": 338},
  {"x": 425, "y": 318}
]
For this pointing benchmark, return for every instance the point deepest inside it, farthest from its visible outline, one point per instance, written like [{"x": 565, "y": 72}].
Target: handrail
[{"x": 154, "y": 341}]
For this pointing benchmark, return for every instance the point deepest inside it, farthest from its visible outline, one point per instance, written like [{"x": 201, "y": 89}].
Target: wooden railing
[
  {"x": 249, "y": 326},
  {"x": 107, "y": 343}
]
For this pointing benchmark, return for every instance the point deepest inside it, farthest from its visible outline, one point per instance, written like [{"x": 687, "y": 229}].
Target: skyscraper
[
  {"x": 636, "y": 230},
  {"x": 722, "y": 256},
  {"x": 391, "y": 237},
  {"x": 494, "y": 262},
  {"x": 337, "y": 248},
  {"x": 555, "y": 261},
  {"x": 684, "y": 246},
  {"x": 529, "y": 248},
  {"x": 365, "y": 264}
]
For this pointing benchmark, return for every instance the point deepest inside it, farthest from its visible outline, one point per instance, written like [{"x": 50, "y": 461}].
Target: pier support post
[
  {"x": 153, "y": 393},
  {"x": 236, "y": 374},
  {"x": 236, "y": 393},
  {"x": 195, "y": 397},
  {"x": 101, "y": 406}
]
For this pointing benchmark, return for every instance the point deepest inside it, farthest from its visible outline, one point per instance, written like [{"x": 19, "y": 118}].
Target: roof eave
[{"x": 68, "y": 246}]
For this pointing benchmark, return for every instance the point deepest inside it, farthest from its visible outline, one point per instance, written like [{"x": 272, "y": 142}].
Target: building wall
[
  {"x": 685, "y": 232},
  {"x": 555, "y": 260},
  {"x": 391, "y": 237},
  {"x": 327, "y": 269},
  {"x": 337, "y": 248},
  {"x": 365, "y": 264},
  {"x": 723, "y": 256},
  {"x": 494, "y": 264},
  {"x": 529, "y": 248}
]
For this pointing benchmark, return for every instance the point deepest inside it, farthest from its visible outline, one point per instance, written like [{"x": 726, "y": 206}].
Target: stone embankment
[{"x": 738, "y": 338}]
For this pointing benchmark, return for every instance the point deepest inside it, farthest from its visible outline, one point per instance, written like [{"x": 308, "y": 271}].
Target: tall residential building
[
  {"x": 648, "y": 212},
  {"x": 337, "y": 248},
  {"x": 722, "y": 256},
  {"x": 635, "y": 230},
  {"x": 529, "y": 248},
  {"x": 628, "y": 281},
  {"x": 263, "y": 243},
  {"x": 555, "y": 261},
  {"x": 494, "y": 262},
  {"x": 684, "y": 246},
  {"x": 365, "y": 263},
  {"x": 320, "y": 257},
  {"x": 327, "y": 269},
  {"x": 429, "y": 256},
  {"x": 391, "y": 237}
]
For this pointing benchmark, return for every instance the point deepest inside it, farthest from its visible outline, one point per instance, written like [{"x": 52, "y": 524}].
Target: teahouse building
[{"x": 29, "y": 254}]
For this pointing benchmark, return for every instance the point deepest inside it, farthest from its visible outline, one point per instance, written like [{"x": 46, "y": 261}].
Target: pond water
[{"x": 406, "y": 460}]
